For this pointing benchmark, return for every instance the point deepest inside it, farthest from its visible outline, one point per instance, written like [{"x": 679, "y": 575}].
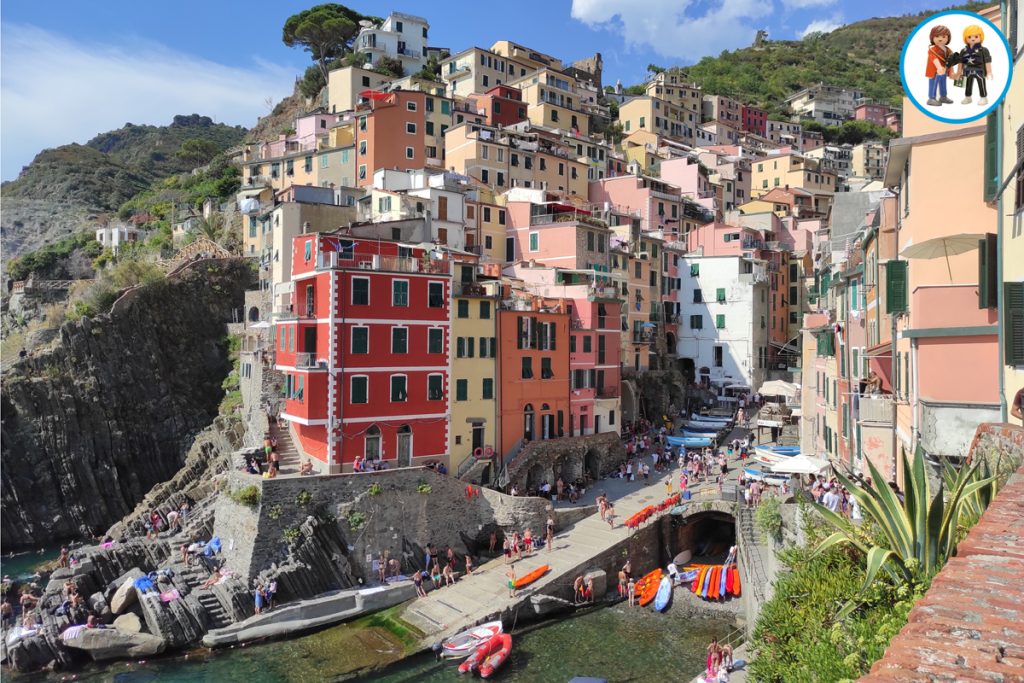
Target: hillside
[
  {"x": 863, "y": 55},
  {"x": 58, "y": 193}
]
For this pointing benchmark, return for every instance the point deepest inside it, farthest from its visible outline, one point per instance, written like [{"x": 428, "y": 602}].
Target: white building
[
  {"x": 113, "y": 236},
  {"x": 784, "y": 133},
  {"x": 827, "y": 104},
  {"x": 399, "y": 195},
  {"x": 723, "y": 328},
  {"x": 835, "y": 158},
  {"x": 401, "y": 36}
]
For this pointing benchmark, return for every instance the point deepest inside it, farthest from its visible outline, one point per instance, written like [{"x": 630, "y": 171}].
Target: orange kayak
[
  {"x": 529, "y": 578},
  {"x": 647, "y": 587},
  {"x": 736, "y": 590},
  {"x": 699, "y": 580}
]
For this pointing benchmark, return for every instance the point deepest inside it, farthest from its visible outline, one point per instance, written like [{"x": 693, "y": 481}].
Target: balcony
[
  {"x": 309, "y": 361},
  {"x": 330, "y": 260},
  {"x": 474, "y": 289},
  {"x": 603, "y": 292},
  {"x": 752, "y": 278},
  {"x": 878, "y": 408},
  {"x": 608, "y": 392}
]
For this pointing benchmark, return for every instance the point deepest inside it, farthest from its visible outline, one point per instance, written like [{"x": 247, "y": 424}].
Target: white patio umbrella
[
  {"x": 943, "y": 247},
  {"x": 778, "y": 387},
  {"x": 801, "y": 464}
]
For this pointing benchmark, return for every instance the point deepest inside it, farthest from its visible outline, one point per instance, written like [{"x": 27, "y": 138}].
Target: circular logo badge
[{"x": 956, "y": 66}]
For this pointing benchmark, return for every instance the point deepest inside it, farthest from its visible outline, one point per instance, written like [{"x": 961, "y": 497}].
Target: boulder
[
  {"x": 113, "y": 643},
  {"x": 129, "y": 623},
  {"x": 124, "y": 597},
  {"x": 30, "y": 653},
  {"x": 98, "y": 603},
  {"x": 118, "y": 583}
]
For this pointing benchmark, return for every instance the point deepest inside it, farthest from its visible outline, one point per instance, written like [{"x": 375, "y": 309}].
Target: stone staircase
[
  {"x": 193, "y": 578},
  {"x": 291, "y": 460},
  {"x": 475, "y": 472}
]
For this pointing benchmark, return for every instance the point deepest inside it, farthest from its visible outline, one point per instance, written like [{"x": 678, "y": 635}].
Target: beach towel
[
  {"x": 72, "y": 632},
  {"x": 144, "y": 584},
  {"x": 172, "y": 594}
]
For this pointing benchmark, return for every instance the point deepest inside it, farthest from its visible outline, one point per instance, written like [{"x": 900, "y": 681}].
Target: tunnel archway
[{"x": 707, "y": 534}]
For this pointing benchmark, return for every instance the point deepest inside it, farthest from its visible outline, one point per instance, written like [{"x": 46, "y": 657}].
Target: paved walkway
[{"x": 484, "y": 593}]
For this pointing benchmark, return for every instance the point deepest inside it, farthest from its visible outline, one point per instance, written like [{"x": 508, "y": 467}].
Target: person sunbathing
[
  {"x": 306, "y": 468},
  {"x": 215, "y": 576}
]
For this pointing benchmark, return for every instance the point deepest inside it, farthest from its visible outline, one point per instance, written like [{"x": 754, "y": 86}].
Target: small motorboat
[
  {"x": 496, "y": 659},
  {"x": 664, "y": 595},
  {"x": 688, "y": 442},
  {"x": 462, "y": 644},
  {"x": 481, "y": 653}
]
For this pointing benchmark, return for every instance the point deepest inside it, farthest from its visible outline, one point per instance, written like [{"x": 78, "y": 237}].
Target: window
[
  {"x": 895, "y": 287},
  {"x": 527, "y": 367},
  {"x": 360, "y": 340},
  {"x": 399, "y": 340},
  {"x": 485, "y": 310},
  {"x": 720, "y": 295},
  {"x": 360, "y": 291},
  {"x": 359, "y": 391},
  {"x": 534, "y": 241},
  {"x": 410, "y": 153},
  {"x": 362, "y": 148},
  {"x": 485, "y": 175},
  {"x": 430, "y": 129},
  {"x": 698, "y": 296},
  {"x": 488, "y": 389},
  {"x": 435, "y": 295},
  {"x": 988, "y": 281},
  {"x": 590, "y": 241},
  {"x": 400, "y": 293},
  {"x": 435, "y": 340},
  {"x": 410, "y": 128},
  {"x": 501, "y": 216},
  {"x": 362, "y": 171},
  {"x": 470, "y": 344},
  {"x": 488, "y": 242},
  {"x": 460, "y": 347},
  {"x": 545, "y": 369},
  {"x": 696, "y": 322},
  {"x": 1013, "y": 322},
  {"x": 694, "y": 269},
  {"x": 462, "y": 390},
  {"x": 588, "y": 343},
  {"x": 435, "y": 387},
  {"x": 719, "y": 354},
  {"x": 398, "y": 389},
  {"x": 463, "y": 308},
  {"x": 572, "y": 344},
  {"x": 720, "y": 321}
]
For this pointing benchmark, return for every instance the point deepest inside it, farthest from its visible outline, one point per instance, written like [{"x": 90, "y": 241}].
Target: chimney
[{"x": 306, "y": 227}]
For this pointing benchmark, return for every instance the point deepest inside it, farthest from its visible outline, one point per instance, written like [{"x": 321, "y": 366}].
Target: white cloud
[
  {"x": 56, "y": 90},
  {"x": 664, "y": 27},
  {"x": 803, "y": 4},
  {"x": 821, "y": 26}
]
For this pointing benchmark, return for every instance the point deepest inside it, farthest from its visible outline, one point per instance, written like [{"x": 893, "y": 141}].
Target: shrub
[
  {"x": 423, "y": 487},
  {"x": 768, "y": 517},
  {"x": 375, "y": 489},
  {"x": 356, "y": 519},
  {"x": 276, "y": 512},
  {"x": 247, "y": 495},
  {"x": 291, "y": 534},
  {"x": 304, "y": 498}
]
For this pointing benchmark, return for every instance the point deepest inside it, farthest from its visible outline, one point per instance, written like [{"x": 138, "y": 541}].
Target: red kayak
[
  {"x": 495, "y": 660},
  {"x": 488, "y": 648}
]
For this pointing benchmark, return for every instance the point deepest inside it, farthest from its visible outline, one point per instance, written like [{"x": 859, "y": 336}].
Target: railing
[
  {"x": 642, "y": 338},
  {"x": 309, "y": 361},
  {"x": 605, "y": 292},
  {"x": 608, "y": 392},
  {"x": 331, "y": 259},
  {"x": 877, "y": 409},
  {"x": 407, "y": 52},
  {"x": 472, "y": 289},
  {"x": 752, "y": 278}
]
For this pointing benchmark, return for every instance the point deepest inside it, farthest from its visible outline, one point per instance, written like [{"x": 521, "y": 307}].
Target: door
[
  {"x": 404, "y": 447},
  {"x": 597, "y": 424},
  {"x": 309, "y": 340},
  {"x": 478, "y": 436}
]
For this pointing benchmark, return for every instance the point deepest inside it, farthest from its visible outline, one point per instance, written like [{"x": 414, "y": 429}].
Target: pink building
[
  {"x": 691, "y": 177},
  {"x": 719, "y": 239},
  {"x": 872, "y": 112},
  {"x": 658, "y": 202},
  {"x": 557, "y": 234}
]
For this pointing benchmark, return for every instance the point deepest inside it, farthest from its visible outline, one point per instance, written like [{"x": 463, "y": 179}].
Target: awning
[
  {"x": 251, "y": 192},
  {"x": 559, "y": 206},
  {"x": 374, "y": 94}
]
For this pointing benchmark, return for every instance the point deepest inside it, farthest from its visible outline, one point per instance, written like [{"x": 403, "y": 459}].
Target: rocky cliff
[{"x": 90, "y": 425}]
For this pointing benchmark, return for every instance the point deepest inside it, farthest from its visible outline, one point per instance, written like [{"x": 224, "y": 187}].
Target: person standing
[
  {"x": 511, "y": 574},
  {"x": 550, "y": 532},
  {"x": 975, "y": 64}
]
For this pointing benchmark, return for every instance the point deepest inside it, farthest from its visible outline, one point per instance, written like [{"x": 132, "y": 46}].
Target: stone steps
[
  {"x": 218, "y": 616},
  {"x": 291, "y": 459}
]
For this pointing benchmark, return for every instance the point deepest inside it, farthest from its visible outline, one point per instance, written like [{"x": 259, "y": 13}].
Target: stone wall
[
  {"x": 399, "y": 520},
  {"x": 91, "y": 424},
  {"x": 568, "y": 458}
]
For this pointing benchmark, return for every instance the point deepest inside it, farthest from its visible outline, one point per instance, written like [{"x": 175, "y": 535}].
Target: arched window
[
  {"x": 254, "y": 314},
  {"x": 373, "y": 449}
]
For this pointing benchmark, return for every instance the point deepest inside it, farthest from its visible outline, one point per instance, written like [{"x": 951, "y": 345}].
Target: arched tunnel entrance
[{"x": 707, "y": 535}]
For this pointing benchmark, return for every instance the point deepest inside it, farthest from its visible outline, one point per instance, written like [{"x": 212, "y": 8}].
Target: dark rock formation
[{"x": 92, "y": 424}]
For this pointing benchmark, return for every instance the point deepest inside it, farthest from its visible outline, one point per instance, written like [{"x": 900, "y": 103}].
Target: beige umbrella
[
  {"x": 778, "y": 387},
  {"x": 943, "y": 247}
]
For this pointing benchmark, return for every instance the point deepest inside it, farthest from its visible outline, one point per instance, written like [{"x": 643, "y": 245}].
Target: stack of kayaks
[
  {"x": 483, "y": 651},
  {"x": 769, "y": 477},
  {"x": 635, "y": 520},
  {"x": 711, "y": 418},
  {"x": 716, "y": 581},
  {"x": 703, "y": 427},
  {"x": 647, "y": 587}
]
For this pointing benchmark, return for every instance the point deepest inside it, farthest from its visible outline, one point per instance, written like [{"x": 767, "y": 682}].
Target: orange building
[
  {"x": 401, "y": 130},
  {"x": 533, "y": 371}
]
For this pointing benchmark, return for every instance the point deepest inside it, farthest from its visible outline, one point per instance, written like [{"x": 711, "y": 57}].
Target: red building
[
  {"x": 873, "y": 112},
  {"x": 754, "y": 120},
  {"x": 364, "y": 351},
  {"x": 501, "y": 105}
]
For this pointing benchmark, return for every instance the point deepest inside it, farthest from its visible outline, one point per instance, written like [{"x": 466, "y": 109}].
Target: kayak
[
  {"x": 699, "y": 580},
  {"x": 496, "y": 659},
  {"x": 462, "y": 644},
  {"x": 722, "y": 592},
  {"x": 529, "y": 578},
  {"x": 736, "y": 590},
  {"x": 481, "y": 653},
  {"x": 647, "y": 587},
  {"x": 664, "y": 595},
  {"x": 705, "y": 581},
  {"x": 688, "y": 576},
  {"x": 687, "y": 442},
  {"x": 688, "y": 434}
]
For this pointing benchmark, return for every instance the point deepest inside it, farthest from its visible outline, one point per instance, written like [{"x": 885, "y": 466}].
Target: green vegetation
[
  {"x": 850, "y": 132},
  {"x": 431, "y": 71},
  {"x": 131, "y": 270},
  {"x": 247, "y": 495},
  {"x": 356, "y": 519},
  {"x": 915, "y": 536},
  {"x": 304, "y": 498},
  {"x": 768, "y": 517},
  {"x": 291, "y": 534},
  {"x": 231, "y": 385},
  {"x": 423, "y": 487},
  {"x": 389, "y": 66},
  {"x": 276, "y": 511},
  {"x": 325, "y": 31},
  {"x": 50, "y": 262},
  {"x": 375, "y": 489}
]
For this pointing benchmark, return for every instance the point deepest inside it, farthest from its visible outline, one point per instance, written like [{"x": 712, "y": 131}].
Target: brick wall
[{"x": 970, "y": 623}]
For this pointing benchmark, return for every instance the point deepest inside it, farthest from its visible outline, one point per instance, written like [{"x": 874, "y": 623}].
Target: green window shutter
[
  {"x": 842, "y": 365},
  {"x": 846, "y": 421},
  {"x": 991, "y": 168},
  {"x": 461, "y": 389},
  {"x": 897, "y": 388},
  {"x": 1013, "y": 319},
  {"x": 896, "y": 287},
  {"x": 988, "y": 263},
  {"x": 488, "y": 388},
  {"x": 720, "y": 321},
  {"x": 720, "y": 294}
]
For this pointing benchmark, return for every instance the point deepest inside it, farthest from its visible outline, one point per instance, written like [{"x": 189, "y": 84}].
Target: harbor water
[{"x": 617, "y": 643}]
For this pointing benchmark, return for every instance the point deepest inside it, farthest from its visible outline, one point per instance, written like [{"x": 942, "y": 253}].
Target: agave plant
[{"x": 919, "y": 533}]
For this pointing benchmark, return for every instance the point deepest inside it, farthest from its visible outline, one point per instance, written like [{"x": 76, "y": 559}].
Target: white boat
[
  {"x": 710, "y": 418},
  {"x": 463, "y": 644}
]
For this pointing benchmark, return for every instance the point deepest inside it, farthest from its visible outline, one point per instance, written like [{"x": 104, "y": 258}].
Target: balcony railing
[
  {"x": 608, "y": 392},
  {"x": 398, "y": 264},
  {"x": 473, "y": 289},
  {"x": 752, "y": 278},
  {"x": 878, "y": 408},
  {"x": 309, "y": 361}
]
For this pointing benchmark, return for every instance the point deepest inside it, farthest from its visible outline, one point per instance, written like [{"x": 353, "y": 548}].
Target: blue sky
[{"x": 72, "y": 69}]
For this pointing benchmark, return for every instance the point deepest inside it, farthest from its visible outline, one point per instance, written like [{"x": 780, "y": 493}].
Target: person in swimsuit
[
  {"x": 507, "y": 549},
  {"x": 417, "y": 579},
  {"x": 528, "y": 541},
  {"x": 511, "y": 574},
  {"x": 631, "y": 592}
]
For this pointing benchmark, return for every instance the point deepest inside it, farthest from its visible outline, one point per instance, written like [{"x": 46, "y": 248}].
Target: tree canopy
[{"x": 325, "y": 31}]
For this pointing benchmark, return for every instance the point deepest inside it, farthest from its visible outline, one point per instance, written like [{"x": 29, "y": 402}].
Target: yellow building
[
  {"x": 525, "y": 56},
  {"x": 1012, "y": 227},
  {"x": 657, "y": 116},
  {"x": 473, "y": 354},
  {"x": 867, "y": 160},
  {"x": 672, "y": 87},
  {"x": 553, "y": 101},
  {"x": 345, "y": 84},
  {"x": 486, "y": 223},
  {"x": 477, "y": 70},
  {"x": 793, "y": 170}
]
